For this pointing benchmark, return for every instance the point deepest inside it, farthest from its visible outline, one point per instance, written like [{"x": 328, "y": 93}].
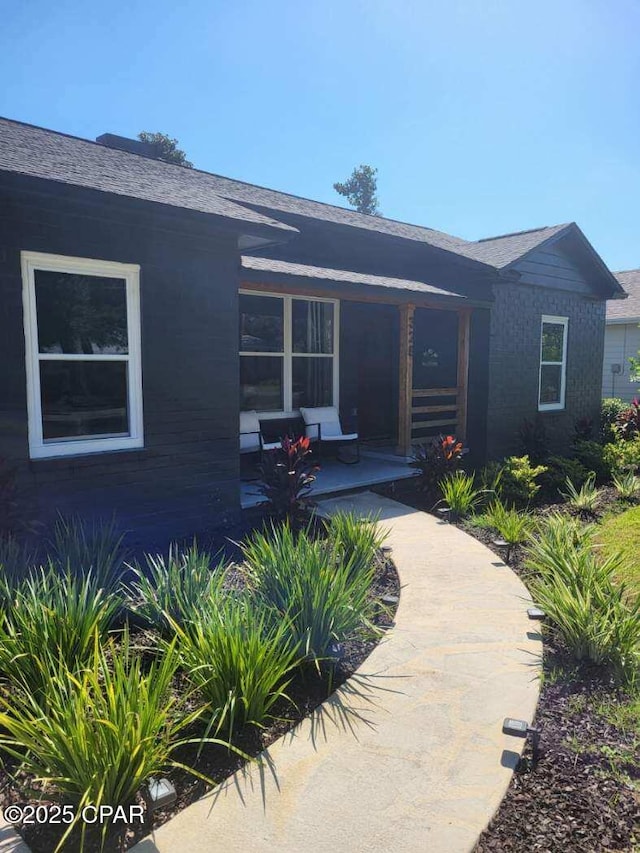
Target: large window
[
  {"x": 553, "y": 363},
  {"x": 82, "y": 331},
  {"x": 288, "y": 352}
]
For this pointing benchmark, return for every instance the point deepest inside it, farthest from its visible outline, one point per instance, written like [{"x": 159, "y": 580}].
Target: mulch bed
[
  {"x": 307, "y": 691},
  {"x": 583, "y": 795}
]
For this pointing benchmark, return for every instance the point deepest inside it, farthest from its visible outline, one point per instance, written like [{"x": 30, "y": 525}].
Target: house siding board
[
  {"x": 621, "y": 342},
  {"x": 552, "y": 267},
  {"x": 185, "y": 479},
  {"x": 514, "y": 364}
]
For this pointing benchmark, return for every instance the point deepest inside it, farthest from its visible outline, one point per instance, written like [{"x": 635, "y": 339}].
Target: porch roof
[{"x": 286, "y": 270}]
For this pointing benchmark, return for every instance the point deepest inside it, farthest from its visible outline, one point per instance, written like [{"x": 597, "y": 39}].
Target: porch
[
  {"x": 375, "y": 467},
  {"x": 391, "y": 355}
]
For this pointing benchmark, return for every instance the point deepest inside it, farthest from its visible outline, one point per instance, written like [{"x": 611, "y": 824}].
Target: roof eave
[{"x": 349, "y": 290}]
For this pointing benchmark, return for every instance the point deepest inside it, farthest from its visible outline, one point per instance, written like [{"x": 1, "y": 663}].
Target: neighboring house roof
[
  {"x": 268, "y": 265},
  {"x": 627, "y": 310},
  {"x": 39, "y": 153}
]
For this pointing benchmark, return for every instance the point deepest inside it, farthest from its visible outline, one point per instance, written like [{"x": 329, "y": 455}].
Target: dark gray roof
[
  {"x": 53, "y": 156},
  {"x": 626, "y": 309},
  {"x": 268, "y": 265},
  {"x": 503, "y": 250}
]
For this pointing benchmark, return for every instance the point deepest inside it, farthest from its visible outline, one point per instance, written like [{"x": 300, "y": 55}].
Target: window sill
[
  {"x": 552, "y": 407},
  {"x": 47, "y": 453}
]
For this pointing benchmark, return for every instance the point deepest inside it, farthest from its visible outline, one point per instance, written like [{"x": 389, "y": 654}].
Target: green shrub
[
  {"x": 627, "y": 485},
  {"x": 307, "y": 582},
  {"x": 81, "y": 546},
  {"x": 171, "y": 588},
  {"x": 622, "y": 456},
  {"x": 611, "y": 408},
  {"x": 586, "y": 497},
  {"x": 559, "y": 469},
  {"x": 55, "y": 615},
  {"x": 518, "y": 482},
  {"x": 514, "y": 526},
  {"x": 100, "y": 734},
  {"x": 239, "y": 658},
  {"x": 459, "y": 493},
  {"x": 356, "y": 540},
  {"x": 592, "y": 456}
]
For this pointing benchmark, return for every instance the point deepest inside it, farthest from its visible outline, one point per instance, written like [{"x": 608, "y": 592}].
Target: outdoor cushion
[
  {"x": 328, "y": 418},
  {"x": 249, "y": 432}
]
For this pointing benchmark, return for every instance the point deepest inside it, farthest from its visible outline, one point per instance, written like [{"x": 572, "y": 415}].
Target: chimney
[{"x": 133, "y": 146}]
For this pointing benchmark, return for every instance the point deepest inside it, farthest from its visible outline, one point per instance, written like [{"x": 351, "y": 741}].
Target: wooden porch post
[
  {"x": 405, "y": 387},
  {"x": 464, "y": 329}
]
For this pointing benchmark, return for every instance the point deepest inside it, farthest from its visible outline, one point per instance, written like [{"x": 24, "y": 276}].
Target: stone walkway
[{"x": 408, "y": 756}]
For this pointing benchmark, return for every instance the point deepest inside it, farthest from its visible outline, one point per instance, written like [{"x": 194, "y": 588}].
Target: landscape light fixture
[
  {"x": 444, "y": 512},
  {"x": 336, "y": 651},
  {"x": 536, "y": 613},
  {"x": 159, "y": 794},
  {"x": 500, "y": 543},
  {"x": 521, "y": 728},
  {"x": 386, "y": 550}
]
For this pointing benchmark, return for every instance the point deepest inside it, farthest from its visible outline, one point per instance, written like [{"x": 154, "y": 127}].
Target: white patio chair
[
  {"x": 323, "y": 425},
  {"x": 251, "y": 440}
]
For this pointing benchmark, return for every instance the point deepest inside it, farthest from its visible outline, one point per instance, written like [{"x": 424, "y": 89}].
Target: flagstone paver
[{"x": 408, "y": 755}]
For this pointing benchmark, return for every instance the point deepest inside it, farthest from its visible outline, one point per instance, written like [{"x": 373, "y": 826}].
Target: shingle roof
[
  {"x": 504, "y": 249},
  {"x": 53, "y": 156},
  {"x": 621, "y": 309},
  {"x": 47, "y": 154},
  {"x": 268, "y": 265}
]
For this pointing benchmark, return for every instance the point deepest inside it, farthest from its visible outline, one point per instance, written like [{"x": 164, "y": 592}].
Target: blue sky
[{"x": 482, "y": 117}]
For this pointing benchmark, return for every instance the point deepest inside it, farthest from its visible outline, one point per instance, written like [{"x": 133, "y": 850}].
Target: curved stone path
[{"x": 408, "y": 756}]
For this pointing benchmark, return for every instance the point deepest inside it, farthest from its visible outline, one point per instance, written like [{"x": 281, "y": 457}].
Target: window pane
[
  {"x": 81, "y": 313},
  {"x": 552, "y": 341},
  {"x": 550, "y": 383},
  {"x": 261, "y": 324},
  {"x": 312, "y": 382},
  {"x": 83, "y": 398},
  {"x": 312, "y": 326},
  {"x": 261, "y": 383}
]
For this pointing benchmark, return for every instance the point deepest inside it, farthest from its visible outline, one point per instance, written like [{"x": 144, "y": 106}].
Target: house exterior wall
[
  {"x": 621, "y": 342},
  {"x": 514, "y": 363},
  {"x": 185, "y": 478}
]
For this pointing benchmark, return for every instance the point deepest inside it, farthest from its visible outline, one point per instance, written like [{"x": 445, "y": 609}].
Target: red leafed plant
[
  {"x": 436, "y": 459},
  {"x": 628, "y": 421},
  {"x": 287, "y": 476}
]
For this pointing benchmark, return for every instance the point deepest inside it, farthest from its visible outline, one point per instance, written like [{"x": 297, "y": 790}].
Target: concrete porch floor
[{"x": 374, "y": 467}]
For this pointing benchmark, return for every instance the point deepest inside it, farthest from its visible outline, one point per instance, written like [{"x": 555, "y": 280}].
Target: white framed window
[
  {"x": 82, "y": 334},
  {"x": 553, "y": 363},
  {"x": 288, "y": 352}
]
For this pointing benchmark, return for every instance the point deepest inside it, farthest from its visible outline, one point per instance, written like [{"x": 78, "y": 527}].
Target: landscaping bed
[
  {"x": 584, "y": 792},
  {"x": 353, "y": 588},
  {"x": 576, "y": 546}
]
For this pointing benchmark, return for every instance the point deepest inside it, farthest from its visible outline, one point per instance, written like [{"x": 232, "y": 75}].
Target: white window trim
[
  {"x": 38, "y": 447},
  {"x": 288, "y": 354},
  {"x": 559, "y": 321}
]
